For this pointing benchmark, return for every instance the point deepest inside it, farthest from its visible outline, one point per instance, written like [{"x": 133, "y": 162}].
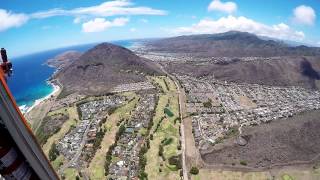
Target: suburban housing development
[{"x": 177, "y": 115}]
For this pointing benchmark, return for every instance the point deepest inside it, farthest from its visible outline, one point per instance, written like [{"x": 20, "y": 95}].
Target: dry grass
[
  {"x": 160, "y": 81},
  {"x": 231, "y": 175},
  {"x": 287, "y": 173},
  {"x": 70, "y": 174},
  {"x": 246, "y": 102},
  {"x": 57, "y": 162},
  {"x": 296, "y": 174}
]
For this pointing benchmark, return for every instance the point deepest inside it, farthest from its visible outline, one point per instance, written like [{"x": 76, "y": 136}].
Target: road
[
  {"x": 78, "y": 153},
  {"x": 183, "y": 142}
]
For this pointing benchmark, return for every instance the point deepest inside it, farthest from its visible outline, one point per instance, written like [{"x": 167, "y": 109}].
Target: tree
[
  {"x": 194, "y": 171},
  {"x": 122, "y": 129},
  {"x": 208, "y": 104},
  {"x": 53, "y": 152},
  {"x": 143, "y": 175},
  {"x": 175, "y": 160},
  {"x": 243, "y": 163},
  {"x": 160, "y": 150}
]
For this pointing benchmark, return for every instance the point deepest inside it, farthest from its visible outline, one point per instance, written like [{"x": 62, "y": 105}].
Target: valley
[{"x": 157, "y": 113}]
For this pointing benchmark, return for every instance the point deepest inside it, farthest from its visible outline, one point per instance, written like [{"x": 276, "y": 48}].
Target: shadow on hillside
[{"x": 308, "y": 71}]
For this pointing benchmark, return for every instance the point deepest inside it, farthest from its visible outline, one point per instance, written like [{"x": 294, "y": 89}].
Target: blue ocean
[{"x": 30, "y": 73}]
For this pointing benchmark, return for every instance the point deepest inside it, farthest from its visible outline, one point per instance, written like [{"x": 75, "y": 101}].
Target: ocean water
[{"x": 30, "y": 73}]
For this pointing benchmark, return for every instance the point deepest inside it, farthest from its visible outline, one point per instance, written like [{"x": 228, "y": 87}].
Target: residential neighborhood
[
  {"x": 92, "y": 113},
  {"x": 220, "y": 107},
  {"x": 131, "y": 140}
]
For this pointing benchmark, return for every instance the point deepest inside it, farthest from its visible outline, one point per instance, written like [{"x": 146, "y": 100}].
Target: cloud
[
  {"x": 224, "y": 24},
  {"x": 106, "y": 9},
  {"x": 133, "y": 29},
  {"x": 304, "y": 15},
  {"x": 101, "y": 24},
  {"x": 9, "y": 20},
  {"x": 227, "y": 7},
  {"x": 77, "y": 20},
  {"x": 144, "y": 20}
]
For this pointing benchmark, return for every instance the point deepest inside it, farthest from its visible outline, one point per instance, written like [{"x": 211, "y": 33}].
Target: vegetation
[
  {"x": 234, "y": 175},
  {"x": 98, "y": 165},
  {"x": 165, "y": 136},
  {"x": 286, "y": 177},
  {"x": 122, "y": 129},
  {"x": 58, "y": 162},
  {"x": 208, "y": 104},
  {"x": 166, "y": 141},
  {"x": 233, "y": 131},
  {"x": 108, "y": 158},
  {"x": 50, "y": 125},
  {"x": 96, "y": 144},
  {"x": 142, "y": 163},
  {"x": 194, "y": 171},
  {"x": 161, "y": 151},
  {"x": 65, "y": 127},
  {"x": 244, "y": 163},
  {"x": 53, "y": 153},
  {"x": 176, "y": 161},
  {"x": 70, "y": 174},
  {"x": 168, "y": 112}
]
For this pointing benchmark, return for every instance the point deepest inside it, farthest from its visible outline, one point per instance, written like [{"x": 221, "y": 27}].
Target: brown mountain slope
[
  {"x": 229, "y": 44},
  {"x": 103, "y": 67},
  {"x": 287, "y": 71}
]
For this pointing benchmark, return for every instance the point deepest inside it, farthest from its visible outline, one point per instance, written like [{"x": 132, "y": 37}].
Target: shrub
[
  {"x": 160, "y": 150},
  {"x": 143, "y": 175},
  {"x": 194, "y": 171},
  {"x": 207, "y": 104},
  {"x": 166, "y": 141},
  {"x": 112, "y": 110},
  {"x": 175, "y": 160},
  {"x": 233, "y": 131},
  {"x": 179, "y": 147},
  {"x": 242, "y": 162},
  {"x": 53, "y": 152},
  {"x": 168, "y": 112}
]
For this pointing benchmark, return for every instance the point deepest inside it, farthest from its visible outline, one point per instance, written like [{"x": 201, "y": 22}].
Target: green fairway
[{"x": 166, "y": 134}]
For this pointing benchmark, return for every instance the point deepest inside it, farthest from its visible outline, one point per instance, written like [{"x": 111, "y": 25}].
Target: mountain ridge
[{"x": 229, "y": 44}]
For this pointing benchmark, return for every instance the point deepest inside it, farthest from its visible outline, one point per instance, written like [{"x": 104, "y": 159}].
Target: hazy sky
[{"x": 37, "y": 25}]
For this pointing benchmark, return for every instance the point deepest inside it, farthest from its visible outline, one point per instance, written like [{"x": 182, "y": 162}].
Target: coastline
[{"x": 56, "y": 89}]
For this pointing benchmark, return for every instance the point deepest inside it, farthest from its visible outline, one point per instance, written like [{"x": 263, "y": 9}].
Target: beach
[
  {"x": 55, "y": 92},
  {"x": 41, "y": 107}
]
